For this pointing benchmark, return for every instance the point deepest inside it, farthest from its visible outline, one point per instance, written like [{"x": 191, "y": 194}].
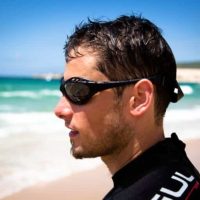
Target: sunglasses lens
[{"x": 77, "y": 92}]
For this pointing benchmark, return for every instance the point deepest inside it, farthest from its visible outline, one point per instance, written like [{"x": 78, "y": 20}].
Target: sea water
[{"x": 34, "y": 144}]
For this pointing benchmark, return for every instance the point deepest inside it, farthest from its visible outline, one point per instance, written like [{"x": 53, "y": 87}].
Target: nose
[{"x": 63, "y": 109}]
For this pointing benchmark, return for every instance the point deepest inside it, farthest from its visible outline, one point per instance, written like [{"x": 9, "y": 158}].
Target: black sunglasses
[{"x": 79, "y": 90}]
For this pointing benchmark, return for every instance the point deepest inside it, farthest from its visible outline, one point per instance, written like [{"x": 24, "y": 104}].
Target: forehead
[{"x": 83, "y": 65}]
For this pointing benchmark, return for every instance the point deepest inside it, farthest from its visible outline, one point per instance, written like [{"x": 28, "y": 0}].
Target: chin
[{"x": 79, "y": 153}]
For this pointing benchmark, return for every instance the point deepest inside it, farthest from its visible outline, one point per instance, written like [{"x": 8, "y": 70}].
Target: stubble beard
[{"x": 114, "y": 137}]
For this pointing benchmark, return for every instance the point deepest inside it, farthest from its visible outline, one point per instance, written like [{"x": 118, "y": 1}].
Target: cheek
[
  {"x": 91, "y": 122},
  {"x": 93, "y": 119},
  {"x": 99, "y": 115}
]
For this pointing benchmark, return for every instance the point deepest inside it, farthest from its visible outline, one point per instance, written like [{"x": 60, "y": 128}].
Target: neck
[
  {"x": 118, "y": 160},
  {"x": 137, "y": 146}
]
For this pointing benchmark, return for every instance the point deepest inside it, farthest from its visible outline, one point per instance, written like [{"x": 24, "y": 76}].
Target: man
[{"x": 119, "y": 80}]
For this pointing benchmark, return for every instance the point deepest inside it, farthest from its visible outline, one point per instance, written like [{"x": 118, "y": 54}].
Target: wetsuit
[{"x": 163, "y": 172}]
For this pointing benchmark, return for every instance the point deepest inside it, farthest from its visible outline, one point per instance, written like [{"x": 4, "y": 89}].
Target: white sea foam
[
  {"x": 187, "y": 89},
  {"x": 186, "y": 122},
  {"x": 14, "y": 123},
  {"x": 50, "y": 92},
  {"x": 181, "y": 115},
  {"x": 30, "y": 94}
]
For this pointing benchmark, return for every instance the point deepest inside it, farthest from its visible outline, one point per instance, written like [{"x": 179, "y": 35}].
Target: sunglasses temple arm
[{"x": 104, "y": 86}]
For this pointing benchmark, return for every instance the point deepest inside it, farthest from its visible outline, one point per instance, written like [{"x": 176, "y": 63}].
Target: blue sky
[{"x": 33, "y": 32}]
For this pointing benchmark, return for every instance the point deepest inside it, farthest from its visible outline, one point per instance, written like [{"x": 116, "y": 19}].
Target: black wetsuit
[{"x": 163, "y": 172}]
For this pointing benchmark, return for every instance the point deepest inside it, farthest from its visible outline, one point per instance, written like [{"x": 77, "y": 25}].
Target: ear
[{"x": 142, "y": 97}]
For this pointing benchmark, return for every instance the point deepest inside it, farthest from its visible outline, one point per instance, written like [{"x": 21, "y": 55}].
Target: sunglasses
[{"x": 79, "y": 91}]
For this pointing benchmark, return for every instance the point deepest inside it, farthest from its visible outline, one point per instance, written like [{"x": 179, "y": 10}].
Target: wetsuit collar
[{"x": 158, "y": 155}]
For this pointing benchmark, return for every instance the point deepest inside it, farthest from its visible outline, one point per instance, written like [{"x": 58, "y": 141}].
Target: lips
[{"x": 73, "y": 133}]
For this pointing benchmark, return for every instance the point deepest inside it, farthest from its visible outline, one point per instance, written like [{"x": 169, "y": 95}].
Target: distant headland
[{"x": 48, "y": 76}]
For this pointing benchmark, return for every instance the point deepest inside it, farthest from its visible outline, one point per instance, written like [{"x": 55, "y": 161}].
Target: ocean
[{"x": 34, "y": 144}]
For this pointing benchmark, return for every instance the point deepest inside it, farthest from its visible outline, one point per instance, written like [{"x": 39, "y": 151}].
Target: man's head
[
  {"x": 118, "y": 82},
  {"x": 128, "y": 48}
]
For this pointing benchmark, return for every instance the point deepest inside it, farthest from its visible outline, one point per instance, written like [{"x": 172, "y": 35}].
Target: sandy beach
[
  {"x": 90, "y": 185},
  {"x": 188, "y": 75}
]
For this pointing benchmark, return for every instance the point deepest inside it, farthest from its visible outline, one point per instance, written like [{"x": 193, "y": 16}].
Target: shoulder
[
  {"x": 162, "y": 172},
  {"x": 177, "y": 183},
  {"x": 166, "y": 182}
]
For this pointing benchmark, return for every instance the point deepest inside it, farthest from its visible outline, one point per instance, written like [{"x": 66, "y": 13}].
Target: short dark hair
[{"x": 128, "y": 47}]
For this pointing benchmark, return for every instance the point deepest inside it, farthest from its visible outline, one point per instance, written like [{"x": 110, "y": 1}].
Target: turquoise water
[
  {"x": 28, "y": 95},
  {"x": 191, "y": 97}
]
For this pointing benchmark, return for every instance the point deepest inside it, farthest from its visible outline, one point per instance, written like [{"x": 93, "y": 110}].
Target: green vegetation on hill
[{"x": 189, "y": 65}]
